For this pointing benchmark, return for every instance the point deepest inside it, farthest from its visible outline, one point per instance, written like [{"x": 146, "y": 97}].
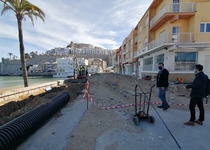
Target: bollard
[
  {"x": 58, "y": 83},
  {"x": 87, "y": 87}
]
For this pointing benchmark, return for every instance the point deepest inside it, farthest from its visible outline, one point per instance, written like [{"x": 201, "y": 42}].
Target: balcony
[
  {"x": 140, "y": 52},
  {"x": 165, "y": 40},
  {"x": 172, "y": 12},
  {"x": 123, "y": 51},
  {"x": 168, "y": 39},
  {"x": 128, "y": 60},
  {"x": 125, "y": 60},
  {"x": 135, "y": 33},
  {"x": 136, "y": 39}
]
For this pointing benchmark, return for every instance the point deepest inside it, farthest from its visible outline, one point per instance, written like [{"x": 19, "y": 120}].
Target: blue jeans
[{"x": 162, "y": 95}]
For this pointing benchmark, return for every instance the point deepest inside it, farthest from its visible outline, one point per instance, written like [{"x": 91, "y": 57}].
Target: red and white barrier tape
[{"x": 128, "y": 105}]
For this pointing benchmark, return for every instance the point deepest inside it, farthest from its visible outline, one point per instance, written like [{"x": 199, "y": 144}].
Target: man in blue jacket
[
  {"x": 162, "y": 84},
  {"x": 198, "y": 92}
]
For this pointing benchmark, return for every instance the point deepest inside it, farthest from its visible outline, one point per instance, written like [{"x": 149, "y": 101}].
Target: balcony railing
[
  {"x": 125, "y": 60},
  {"x": 178, "y": 66},
  {"x": 147, "y": 68},
  {"x": 177, "y": 7},
  {"x": 171, "y": 38},
  {"x": 164, "y": 40},
  {"x": 184, "y": 66},
  {"x": 140, "y": 51}
]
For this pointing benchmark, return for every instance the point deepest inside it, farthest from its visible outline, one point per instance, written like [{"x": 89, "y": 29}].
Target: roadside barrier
[{"x": 15, "y": 94}]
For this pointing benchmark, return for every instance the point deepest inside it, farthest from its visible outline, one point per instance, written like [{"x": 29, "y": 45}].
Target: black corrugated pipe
[{"x": 16, "y": 131}]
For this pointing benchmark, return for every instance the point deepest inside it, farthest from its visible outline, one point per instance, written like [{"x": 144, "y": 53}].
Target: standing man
[
  {"x": 162, "y": 84},
  {"x": 198, "y": 92}
]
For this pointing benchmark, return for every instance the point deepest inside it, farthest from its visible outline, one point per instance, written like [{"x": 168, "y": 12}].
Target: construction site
[{"x": 101, "y": 117}]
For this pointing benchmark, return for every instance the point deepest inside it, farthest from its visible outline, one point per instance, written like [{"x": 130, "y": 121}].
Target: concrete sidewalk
[
  {"x": 53, "y": 134},
  {"x": 155, "y": 136}
]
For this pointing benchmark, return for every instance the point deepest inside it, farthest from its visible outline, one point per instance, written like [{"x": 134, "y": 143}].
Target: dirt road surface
[{"x": 104, "y": 127}]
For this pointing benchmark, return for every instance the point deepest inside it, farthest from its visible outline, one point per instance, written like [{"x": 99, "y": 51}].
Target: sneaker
[
  {"x": 189, "y": 123},
  {"x": 160, "y": 106},
  {"x": 166, "y": 107},
  {"x": 199, "y": 122}
]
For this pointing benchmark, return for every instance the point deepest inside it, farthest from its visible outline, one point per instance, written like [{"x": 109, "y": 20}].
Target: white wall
[{"x": 204, "y": 59}]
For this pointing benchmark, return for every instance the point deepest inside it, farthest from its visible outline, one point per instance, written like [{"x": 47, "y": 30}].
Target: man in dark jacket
[
  {"x": 198, "y": 92},
  {"x": 162, "y": 84}
]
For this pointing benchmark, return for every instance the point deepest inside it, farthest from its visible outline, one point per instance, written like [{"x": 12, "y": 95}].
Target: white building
[
  {"x": 84, "y": 50},
  {"x": 82, "y": 61},
  {"x": 94, "y": 69},
  {"x": 65, "y": 67}
]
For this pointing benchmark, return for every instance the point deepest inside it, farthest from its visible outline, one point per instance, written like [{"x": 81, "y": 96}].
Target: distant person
[
  {"x": 134, "y": 73},
  {"x": 162, "y": 84},
  {"x": 198, "y": 92}
]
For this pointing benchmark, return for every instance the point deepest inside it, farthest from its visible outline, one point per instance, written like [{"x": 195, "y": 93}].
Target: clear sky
[{"x": 103, "y": 23}]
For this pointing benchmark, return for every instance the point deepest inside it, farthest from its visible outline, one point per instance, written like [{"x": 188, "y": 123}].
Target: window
[
  {"x": 146, "y": 41},
  {"x": 160, "y": 59},
  {"x": 186, "y": 57},
  {"x": 185, "y": 60},
  {"x": 162, "y": 37},
  {"x": 175, "y": 5},
  {"x": 148, "y": 61},
  {"x": 131, "y": 42},
  {"x": 146, "y": 21},
  {"x": 139, "y": 29},
  {"x": 175, "y": 30},
  {"x": 139, "y": 46},
  {"x": 204, "y": 27}
]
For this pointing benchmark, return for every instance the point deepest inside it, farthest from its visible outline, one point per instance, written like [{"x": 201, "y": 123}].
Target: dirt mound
[{"x": 14, "y": 109}]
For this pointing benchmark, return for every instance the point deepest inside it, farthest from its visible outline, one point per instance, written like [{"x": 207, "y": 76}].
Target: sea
[{"x": 10, "y": 81}]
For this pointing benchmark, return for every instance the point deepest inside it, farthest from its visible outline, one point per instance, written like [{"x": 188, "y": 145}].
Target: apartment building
[
  {"x": 84, "y": 50},
  {"x": 65, "y": 67},
  {"x": 129, "y": 63},
  {"x": 101, "y": 64},
  {"x": 175, "y": 32},
  {"x": 116, "y": 60}
]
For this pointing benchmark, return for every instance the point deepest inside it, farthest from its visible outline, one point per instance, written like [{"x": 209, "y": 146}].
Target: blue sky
[{"x": 103, "y": 23}]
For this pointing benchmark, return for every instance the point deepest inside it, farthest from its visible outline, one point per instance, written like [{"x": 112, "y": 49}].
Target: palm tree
[
  {"x": 22, "y": 8},
  {"x": 10, "y": 55}
]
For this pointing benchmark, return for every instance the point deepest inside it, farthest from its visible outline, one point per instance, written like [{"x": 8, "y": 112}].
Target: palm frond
[
  {"x": 8, "y": 4},
  {"x": 23, "y": 8},
  {"x": 5, "y": 9}
]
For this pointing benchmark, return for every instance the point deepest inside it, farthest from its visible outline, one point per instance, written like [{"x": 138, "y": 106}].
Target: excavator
[{"x": 82, "y": 72}]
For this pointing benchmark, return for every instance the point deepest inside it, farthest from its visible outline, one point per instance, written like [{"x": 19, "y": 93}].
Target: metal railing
[
  {"x": 166, "y": 39},
  {"x": 177, "y": 7},
  {"x": 147, "y": 68},
  {"x": 177, "y": 66},
  {"x": 140, "y": 51},
  {"x": 171, "y": 38},
  {"x": 184, "y": 66}
]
